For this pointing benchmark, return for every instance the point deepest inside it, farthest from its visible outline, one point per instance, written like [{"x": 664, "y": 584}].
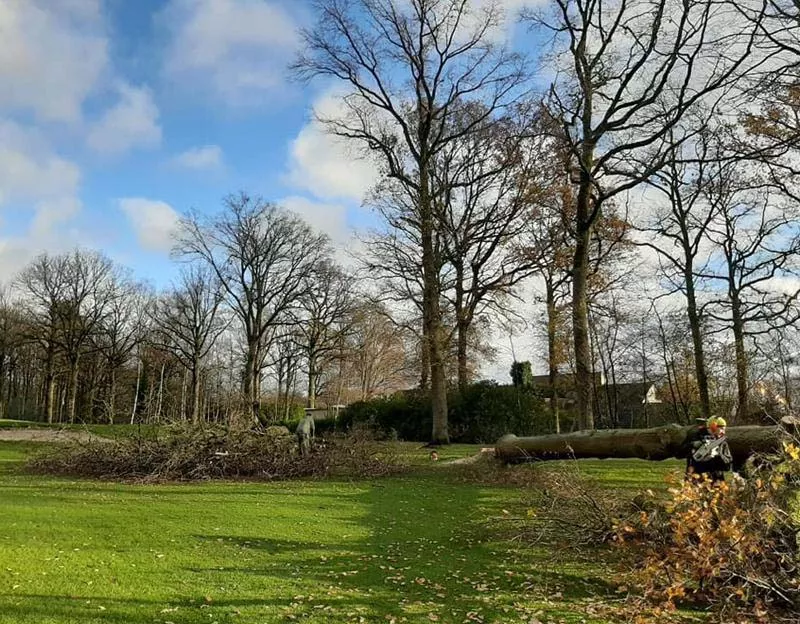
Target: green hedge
[{"x": 481, "y": 414}]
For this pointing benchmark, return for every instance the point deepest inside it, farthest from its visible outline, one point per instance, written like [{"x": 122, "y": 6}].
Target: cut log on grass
[{"x": 655, "y": 444}]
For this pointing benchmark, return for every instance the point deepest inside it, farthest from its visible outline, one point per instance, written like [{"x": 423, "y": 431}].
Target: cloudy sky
[
  {"x": 118, "y": 115},
  {"x": 115, "y": 116}
]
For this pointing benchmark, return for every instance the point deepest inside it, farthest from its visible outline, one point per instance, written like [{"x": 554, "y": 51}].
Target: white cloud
[
  {"x": 207, "y": 157},
  {"x": 131, "y": 123},
  {"x": 51, "y": 213},
  {"x": 154, "y": 222},
  {"x": 17, "y": 252},
  {"x": 30, "y": 170},
  {"x": 331, "y": 219},
  {"x": 238, "y": 48},
  {"x": 53, "y": 54},
  {"x": 326, "y": 165}
]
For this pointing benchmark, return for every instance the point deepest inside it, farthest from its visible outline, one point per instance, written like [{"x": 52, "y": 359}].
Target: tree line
[
  {"x": 83, "y": 340},
  {"x": 652, "y": 130}
]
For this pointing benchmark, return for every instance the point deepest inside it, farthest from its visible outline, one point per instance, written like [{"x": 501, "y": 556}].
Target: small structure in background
[
  {"x": 324, "y": 414},
  {"x": 621, "y": 405}
]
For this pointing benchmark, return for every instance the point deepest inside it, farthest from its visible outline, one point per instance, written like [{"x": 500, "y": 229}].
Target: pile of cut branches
[{"x": 189, "y": 454}]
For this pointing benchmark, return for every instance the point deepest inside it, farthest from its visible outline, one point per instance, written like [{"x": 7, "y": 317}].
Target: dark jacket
[{"x": 710, "y": 456}]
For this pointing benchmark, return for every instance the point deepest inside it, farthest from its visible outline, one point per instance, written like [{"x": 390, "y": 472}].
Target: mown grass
[
  {"x": 418, "y": 548},
  {"x": 106, "y": 431}
]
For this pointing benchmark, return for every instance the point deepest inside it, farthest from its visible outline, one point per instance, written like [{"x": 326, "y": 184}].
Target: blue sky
[{"x": 117, "y": 116}]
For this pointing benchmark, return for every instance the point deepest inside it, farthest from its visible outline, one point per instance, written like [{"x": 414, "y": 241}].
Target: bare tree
[
  {"x": 121, "y": 329},
  {"x": 491, "y": 177},
  {"x": 757, "y": 239},
  {"x": 322, "y": 321},
  {"x": 261, "y": 255},
  {"x": 378, "y": 350},
  {"x": 11, "y": 340},
  {"x": 391, "y": 261},
  {"x": 631, "y": 72},
  {"x": 189, "y": 320},
  {"x": 70, "y": 292},
  {"x": 680, "y": 230},
  {"x": 409, "y": 66}
]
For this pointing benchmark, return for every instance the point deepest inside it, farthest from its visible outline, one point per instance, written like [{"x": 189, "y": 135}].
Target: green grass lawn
[
  {"x": 108, "y": 431},
  {"x": 418, "y": 548}
]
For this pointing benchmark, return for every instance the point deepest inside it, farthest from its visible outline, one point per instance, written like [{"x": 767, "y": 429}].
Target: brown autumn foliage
[{"x": 731, "y": 547}]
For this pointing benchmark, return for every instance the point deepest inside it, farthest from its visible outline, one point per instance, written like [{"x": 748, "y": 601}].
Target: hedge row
[{"x": 481, "y": 414}]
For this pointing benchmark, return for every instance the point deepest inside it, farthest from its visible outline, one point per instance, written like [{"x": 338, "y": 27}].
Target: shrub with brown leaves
[{"x": 732, "y": 546}]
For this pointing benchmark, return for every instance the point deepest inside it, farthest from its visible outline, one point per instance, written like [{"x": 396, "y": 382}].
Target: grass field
[
  {"x": 423, "y": 547},
  {"x": 111, "y": 431}
]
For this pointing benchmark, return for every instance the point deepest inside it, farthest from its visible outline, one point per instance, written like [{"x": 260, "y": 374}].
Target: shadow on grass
[
  {"x": 84, "y": 609},
  {"x": 431, "y": 550}
]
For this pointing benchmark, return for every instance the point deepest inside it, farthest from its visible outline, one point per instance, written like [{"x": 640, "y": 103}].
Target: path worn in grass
[{"x": 416, "y": 549}]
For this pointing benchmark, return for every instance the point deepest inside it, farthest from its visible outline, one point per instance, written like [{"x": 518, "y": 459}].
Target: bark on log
[{"x": 658, "y": 443}]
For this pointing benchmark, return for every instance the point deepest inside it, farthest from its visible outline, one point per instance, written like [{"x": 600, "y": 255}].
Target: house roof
[{"x": 627, "y": 393}]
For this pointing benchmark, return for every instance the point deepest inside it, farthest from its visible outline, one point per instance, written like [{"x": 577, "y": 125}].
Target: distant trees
[
  {"x": 69, "y": 294},
  {"x": 121, "y": 330},
  {"x": 489, "y": 194},
  {"x": 756, "y": 239},
  {"x": 323, "y": 318},
  {"x": 262, "y": 257},
  {"x": 380, "y": 351},
  {"x": 521, "y": 375},
  {"x": 81, "y": 339},
  {"x": 188, "y": 321}
]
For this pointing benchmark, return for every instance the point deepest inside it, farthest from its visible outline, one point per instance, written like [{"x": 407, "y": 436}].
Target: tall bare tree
[
  {"x": 261, "y": 255},
  {"x": 680, "y": 230},
  {"x": 391, "y": 261},
  {"x": 378, "y": 351},
  {"x": 757, "y": 241},
  {"x": 190, "y": 321},
  {"x": 121, "y": 329},
  {"x": 408, "y": 67},
  {"x": 323, "y": 318},
  {"x": 70, "y": 293},
  {"x": 491, "y": 177},
  {"x": 631, "y": 72}
]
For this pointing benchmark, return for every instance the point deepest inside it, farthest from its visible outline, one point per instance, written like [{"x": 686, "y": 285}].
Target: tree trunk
[
  {"x": 552, "y": 355},
  {"x": 195, "y": 374},
  {"x": 136, "y": 391},
  {"x": 73, "y": 389},
  {"x": 112, "y": 393},
  {"x": 249, "y": 379},
  {"x": 50, "y": 387},
  {"x": 160, "y": 393},
  {"x": 312, "y": 390},
  {"x": 584, "y": 383},
  {"x": 3, "y": 360},
  {"x": 655, "y": 444},
  {"x": 425, "y": 364},
  {"x": 431, "y": 311},
  {"x": 741, "y": 358},
  {"x": 463, "y": 374},
  {"x": 697, "y": 340}
]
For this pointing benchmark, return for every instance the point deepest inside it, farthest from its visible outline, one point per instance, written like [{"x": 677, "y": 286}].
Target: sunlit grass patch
[{"x": 416, "y": 548}]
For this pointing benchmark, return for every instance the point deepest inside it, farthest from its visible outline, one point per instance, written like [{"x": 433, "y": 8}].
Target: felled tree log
[{"x": 657, "y": 444}]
